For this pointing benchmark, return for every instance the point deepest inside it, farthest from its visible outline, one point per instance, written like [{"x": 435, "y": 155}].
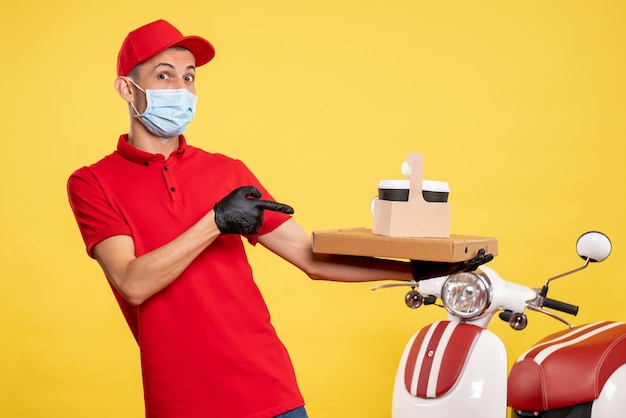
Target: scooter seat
[{"x": 567, "y": 368}]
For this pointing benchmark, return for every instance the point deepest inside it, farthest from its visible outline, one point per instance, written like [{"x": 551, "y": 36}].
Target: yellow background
[{"x": 519, "y": 105}]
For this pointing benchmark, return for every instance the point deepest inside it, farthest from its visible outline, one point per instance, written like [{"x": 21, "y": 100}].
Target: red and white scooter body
[
  {"x": 450, "y": 369},
  {"x": 458, "y": 368}
]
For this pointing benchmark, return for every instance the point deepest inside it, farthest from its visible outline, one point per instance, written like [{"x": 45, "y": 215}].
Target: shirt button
[
  {"x": 173, "y": 189},
  {"x": 165, "y": 168}
]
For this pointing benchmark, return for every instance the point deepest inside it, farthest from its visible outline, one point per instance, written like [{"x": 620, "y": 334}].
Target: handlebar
[{"x": 560, "y": 306}]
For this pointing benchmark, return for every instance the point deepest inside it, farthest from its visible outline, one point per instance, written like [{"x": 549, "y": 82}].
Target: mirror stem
[{"x": 544, "y": 290}]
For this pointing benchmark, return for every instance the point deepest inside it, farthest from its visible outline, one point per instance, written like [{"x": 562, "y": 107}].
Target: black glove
[
  {"x": 429, "y": 269},
  {"x": 237, "y": 213}
]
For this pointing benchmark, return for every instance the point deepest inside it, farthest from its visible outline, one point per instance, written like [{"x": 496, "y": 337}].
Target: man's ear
[{"x": 123, "y": 87}]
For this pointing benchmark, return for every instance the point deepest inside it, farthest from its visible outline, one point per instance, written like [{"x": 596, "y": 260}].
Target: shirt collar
[{"x": 142, "y": 157}]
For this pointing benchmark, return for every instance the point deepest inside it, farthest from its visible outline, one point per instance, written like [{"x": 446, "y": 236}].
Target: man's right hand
[{"x": 241, "y": 212}]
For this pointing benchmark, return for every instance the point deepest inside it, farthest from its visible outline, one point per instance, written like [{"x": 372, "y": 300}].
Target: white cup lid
[
  {"x": 428, "y": 185},
  {"x": 435, "y": 186}
]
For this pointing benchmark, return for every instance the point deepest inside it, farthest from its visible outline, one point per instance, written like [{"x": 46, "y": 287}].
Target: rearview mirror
[{"x": 594, "y": 246}]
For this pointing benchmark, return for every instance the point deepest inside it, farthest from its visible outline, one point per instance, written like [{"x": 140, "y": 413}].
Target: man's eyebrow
[
  {"x": 163, "y": 64},
  {"x": 166, "y": 64}
]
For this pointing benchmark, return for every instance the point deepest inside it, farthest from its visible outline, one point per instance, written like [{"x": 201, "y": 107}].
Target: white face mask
[{"x": 168, "y": 112}]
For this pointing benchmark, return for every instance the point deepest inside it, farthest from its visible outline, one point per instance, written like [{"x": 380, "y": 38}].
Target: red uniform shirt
[{"x": 207, "y": 346}]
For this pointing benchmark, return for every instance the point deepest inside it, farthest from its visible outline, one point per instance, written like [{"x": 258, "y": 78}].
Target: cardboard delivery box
[
  {"x": 362, "y": 242},
  {"x": 417, "y": 216}
]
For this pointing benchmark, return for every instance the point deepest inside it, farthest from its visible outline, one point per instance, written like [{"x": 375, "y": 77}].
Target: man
[{"x": 164, "y": 220}]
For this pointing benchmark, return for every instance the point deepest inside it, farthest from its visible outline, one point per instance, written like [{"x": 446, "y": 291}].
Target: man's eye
[
  {"x": 163, "y": 76},
  {"x": 189, "y": 78}
]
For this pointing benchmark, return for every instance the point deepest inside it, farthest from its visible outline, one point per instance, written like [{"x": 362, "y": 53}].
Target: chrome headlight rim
[{"x": 480, "y": 280}]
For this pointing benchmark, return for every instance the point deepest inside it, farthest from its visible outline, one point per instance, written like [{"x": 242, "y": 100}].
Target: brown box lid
[{"x": 362, "y": 242}]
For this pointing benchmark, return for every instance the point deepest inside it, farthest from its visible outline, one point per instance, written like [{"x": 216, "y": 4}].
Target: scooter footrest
[
  {"x": 582, "y": 410},
  {"x": 567, "y": 368}
]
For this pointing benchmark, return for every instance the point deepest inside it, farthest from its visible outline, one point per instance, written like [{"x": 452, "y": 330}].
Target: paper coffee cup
[{"x": 398, "y": 190}]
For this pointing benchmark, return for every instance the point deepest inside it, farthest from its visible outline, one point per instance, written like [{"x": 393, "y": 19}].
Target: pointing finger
[{"x": 275, "y": 206}]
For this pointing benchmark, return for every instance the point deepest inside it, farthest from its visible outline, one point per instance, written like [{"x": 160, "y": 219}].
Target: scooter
[{"x": 458, "y": 368}]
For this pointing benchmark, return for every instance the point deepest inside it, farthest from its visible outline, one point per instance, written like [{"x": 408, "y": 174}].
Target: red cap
[{"x": 153, "y": 38}]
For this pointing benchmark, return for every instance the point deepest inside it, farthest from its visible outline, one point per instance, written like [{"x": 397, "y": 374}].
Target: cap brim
[{"x": 201, "y": 49}]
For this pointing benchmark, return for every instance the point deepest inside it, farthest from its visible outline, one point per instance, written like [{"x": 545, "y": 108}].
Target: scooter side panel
[
  {"x": 479, "y": 391},
  {"x": 612, "y": 400}
]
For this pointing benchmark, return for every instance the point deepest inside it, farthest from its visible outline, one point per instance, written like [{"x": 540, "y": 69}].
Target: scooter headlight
[{"x": 466, "y": 295}]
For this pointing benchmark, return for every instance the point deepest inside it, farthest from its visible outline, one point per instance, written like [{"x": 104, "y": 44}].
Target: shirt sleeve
[{"x": 96, "y": 218}]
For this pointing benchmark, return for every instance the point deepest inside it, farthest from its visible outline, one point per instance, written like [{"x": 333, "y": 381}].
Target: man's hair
[{"x": 134, "y": 73}]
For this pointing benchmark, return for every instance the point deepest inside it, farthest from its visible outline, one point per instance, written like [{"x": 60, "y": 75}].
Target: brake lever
[
  {"x": 411, "y": 283},
  {"x": 552, "y": 315}
]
